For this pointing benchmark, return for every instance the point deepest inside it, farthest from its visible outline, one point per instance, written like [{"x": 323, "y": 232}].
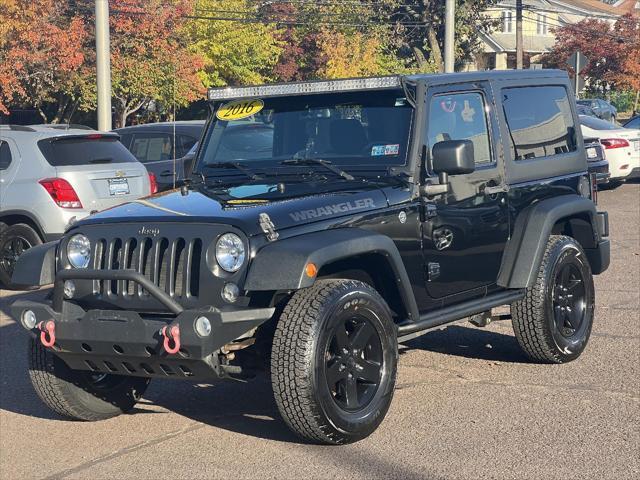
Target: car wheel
[
  {"x": 334, "y": 361},
  {"x": 14, "y": 240},
  {"x": 79, "y": 395},
  {"x": 553, "y": 322}
]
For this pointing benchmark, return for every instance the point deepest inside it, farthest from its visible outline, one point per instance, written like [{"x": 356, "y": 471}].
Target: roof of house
[{"x": 595, "y": 6}]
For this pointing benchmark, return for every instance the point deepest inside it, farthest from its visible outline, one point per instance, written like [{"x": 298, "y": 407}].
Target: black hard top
[{"x": 483, "y": 76}]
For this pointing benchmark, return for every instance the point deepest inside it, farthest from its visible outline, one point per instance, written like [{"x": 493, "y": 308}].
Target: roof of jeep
[{"x": 429, "y": 78}]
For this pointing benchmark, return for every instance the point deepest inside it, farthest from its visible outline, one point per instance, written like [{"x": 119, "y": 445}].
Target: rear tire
[
  {"x": 14, "y": 241},
  {"x": 334, "y": 361},
  {"x": 77, "y": 394},
  {"x": 553, "y": 322}
]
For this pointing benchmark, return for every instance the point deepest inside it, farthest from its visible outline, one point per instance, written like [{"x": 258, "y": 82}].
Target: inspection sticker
[{"x": 379, "y": 150}]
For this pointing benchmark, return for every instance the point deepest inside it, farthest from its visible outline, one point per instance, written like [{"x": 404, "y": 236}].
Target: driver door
[{"x": 466, "y": 229}]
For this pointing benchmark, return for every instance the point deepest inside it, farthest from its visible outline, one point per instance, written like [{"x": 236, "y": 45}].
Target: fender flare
[
  {"x": 533, "y": 227},
  {"x": 36, "y": 266},
  {"x": 281, "y": 265}
]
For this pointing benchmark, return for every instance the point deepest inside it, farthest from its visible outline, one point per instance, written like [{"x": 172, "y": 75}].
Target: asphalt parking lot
[{"x": 468, "y": 405}]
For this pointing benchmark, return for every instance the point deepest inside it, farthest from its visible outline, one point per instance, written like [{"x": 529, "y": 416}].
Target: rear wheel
[
  {"x": 14, "y": 240},
  {"x": 81, "y": 395},
  {"x": 553, "y": 322},
  {"x": 334, "y": 360}
]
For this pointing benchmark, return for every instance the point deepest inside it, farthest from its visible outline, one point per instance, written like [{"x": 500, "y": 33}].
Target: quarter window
[
  {"x": 460, "y": 116},
  {"x": 540, "y": 121},
  {"x": 152, "y": 147},
  {"x": 5, "y": 155}
]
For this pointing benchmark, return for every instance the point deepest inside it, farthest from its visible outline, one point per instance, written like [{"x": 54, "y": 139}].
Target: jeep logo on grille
[{"x": 153, "y": 232}]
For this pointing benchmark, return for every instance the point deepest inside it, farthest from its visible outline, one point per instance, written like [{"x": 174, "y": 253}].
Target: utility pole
[
  {"x": 519, "y": 39},
  {"x": 103, "y": 63},
  {"x": 450, "y": 36}
]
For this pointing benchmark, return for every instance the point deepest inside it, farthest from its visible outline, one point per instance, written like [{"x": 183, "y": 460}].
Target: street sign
[{"x": 578, "y": 61}]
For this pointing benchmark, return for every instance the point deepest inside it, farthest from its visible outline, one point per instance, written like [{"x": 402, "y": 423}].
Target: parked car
[
  {"x": 596, "y": 161},
  {"x": 50, "y": 176},
  {"x": 602, "y": 109},
  {"x": 309, "y": 252},
  {"x": 633, "y": 123},
  {"x": 585, "y": 110},
  {"x": 622, "y": 147},
  {"x": 163, "y": 148}
]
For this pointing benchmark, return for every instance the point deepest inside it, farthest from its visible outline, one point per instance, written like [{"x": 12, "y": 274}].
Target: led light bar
[{"x": 301, "y": 88}]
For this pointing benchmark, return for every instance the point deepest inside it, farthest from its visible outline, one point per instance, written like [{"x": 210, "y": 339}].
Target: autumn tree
[
  {"x": 41, "y": 56},
  {"x": 150, "y": 56},
  {"x": 613, "y": 52}
]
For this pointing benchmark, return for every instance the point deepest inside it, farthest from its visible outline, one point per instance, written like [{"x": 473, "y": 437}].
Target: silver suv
[{"x": 50, "y": 175}]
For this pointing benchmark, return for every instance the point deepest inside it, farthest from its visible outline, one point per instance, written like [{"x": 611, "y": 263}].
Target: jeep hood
[{"x": 242, "y": 211}]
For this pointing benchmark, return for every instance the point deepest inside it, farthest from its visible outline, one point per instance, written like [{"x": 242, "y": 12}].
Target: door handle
[{"x": 166, "y": 173}]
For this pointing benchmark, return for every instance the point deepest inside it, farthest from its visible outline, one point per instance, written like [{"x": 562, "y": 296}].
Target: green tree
[
  {"x": 419, "y": 35},
  {"x": 235, "y": 51}
]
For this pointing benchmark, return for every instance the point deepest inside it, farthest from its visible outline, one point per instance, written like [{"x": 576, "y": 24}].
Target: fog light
[
  {"x": 69, "y": 289},
  {"x": 203, "y": 326},
  {"x": 230, "y": 292},
  {"x": 29, "y": 319}
]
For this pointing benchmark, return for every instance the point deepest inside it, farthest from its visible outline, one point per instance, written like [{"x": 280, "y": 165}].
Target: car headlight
[
  {"x": 230, "y": 252},
  {"x": 79, "y": 251}
]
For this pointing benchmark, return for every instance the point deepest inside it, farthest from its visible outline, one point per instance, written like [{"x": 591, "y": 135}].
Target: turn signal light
[
  {"x": 62, "y": 192},
  {"x": 153, "y": 183},
  {"x": 311, "y": 270},
  {"x": 610, "y": 143}
]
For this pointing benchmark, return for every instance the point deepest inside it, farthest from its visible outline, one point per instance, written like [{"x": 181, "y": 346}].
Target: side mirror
[{"x": 451, "y": 157}]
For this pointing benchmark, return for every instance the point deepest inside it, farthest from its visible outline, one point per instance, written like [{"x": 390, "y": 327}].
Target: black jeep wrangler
[{"x": 325, "y": 222}]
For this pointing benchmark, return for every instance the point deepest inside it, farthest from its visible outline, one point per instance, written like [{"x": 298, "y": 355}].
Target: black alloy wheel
[
  {"x": 569, "y": 305},
  {"x": 10, "y": 251},
  {"x": 353, "y": 366}
]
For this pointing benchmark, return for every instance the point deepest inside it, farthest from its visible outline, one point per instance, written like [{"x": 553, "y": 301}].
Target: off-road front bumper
[{"x": 131, "y": 343}]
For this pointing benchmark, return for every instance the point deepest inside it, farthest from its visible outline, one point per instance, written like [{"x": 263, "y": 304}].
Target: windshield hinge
[{"x": 268, "y": 227}]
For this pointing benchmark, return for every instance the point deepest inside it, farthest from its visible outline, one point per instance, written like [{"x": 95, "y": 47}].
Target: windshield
[{"x": 365, "y": 128}]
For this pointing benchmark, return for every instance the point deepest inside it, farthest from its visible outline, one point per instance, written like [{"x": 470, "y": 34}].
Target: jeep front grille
[{"x": 171, "y": 264}]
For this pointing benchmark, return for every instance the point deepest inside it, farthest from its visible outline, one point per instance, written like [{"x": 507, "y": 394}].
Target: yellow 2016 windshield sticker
[{"x": 239, "y": 109}]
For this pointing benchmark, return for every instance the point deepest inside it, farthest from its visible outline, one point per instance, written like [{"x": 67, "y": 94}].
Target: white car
[{"x": 622, "y": 146}]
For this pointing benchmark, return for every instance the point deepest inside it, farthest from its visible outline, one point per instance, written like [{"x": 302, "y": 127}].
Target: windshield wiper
[
  {"x": 237, "y": 165},
  {"x": 317, "y": 161}
]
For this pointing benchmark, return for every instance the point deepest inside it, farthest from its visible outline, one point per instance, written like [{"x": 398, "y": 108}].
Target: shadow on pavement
[{"x": 470, "y": 342}]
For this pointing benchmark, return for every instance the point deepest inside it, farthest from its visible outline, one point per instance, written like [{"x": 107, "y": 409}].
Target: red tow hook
[
  {"x": 47, "y": 333},
  {"x": 171, "y": 335}
]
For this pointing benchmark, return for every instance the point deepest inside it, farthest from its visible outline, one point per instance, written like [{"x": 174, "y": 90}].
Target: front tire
[
  {"x": 80, "y": 395},
  {"x": 553, "y": 322},
  {"x": 14, "y": 240},
  {"x": 334, "y": 361}
]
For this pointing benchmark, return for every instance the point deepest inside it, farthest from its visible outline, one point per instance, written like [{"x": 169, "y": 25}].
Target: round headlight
[
  {"x": 79, "y": 251},
  {"x": 230, "y": 252}
]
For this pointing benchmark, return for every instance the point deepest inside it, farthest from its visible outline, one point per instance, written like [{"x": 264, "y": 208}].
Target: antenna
[{"x": 174, "y": 122}]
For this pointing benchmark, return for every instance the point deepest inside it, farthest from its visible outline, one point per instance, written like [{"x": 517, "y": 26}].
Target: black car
[
  {"x": 163, "y": 148},
  {"x": 596, "y": 160},
  {"x": 324, "y": 223},
  {"x": 601, "y": 109},
  {"x": 633, "y": 123}
]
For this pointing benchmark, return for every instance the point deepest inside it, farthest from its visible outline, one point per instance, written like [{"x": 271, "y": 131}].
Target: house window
[
  {"x": 507, "y": 21},
  {"x": 543, "y": 26}
]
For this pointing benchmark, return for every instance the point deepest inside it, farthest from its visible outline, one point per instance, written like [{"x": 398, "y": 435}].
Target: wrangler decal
[{"x": 332, "y": 209}]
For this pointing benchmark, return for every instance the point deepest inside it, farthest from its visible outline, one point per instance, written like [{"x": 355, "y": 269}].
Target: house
[{"x": 540, "y": 18}]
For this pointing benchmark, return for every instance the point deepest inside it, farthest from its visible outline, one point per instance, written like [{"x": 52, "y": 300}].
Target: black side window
[
  {"x": 152, "y": 147},
  {"x": 5, "y": 155},
  {"x": 125, "y": 139},
  {"x": 460, "y": 116},
  {"x": 540, "y": 121}
]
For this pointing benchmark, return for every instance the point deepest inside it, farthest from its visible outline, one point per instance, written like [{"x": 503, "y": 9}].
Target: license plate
[
  {"x": 592, "y": 153},
  {"x": 118, "y": 186}
]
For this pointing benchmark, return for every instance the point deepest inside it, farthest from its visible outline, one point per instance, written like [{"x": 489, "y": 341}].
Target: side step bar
[{"x": 437, "y": 318}]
